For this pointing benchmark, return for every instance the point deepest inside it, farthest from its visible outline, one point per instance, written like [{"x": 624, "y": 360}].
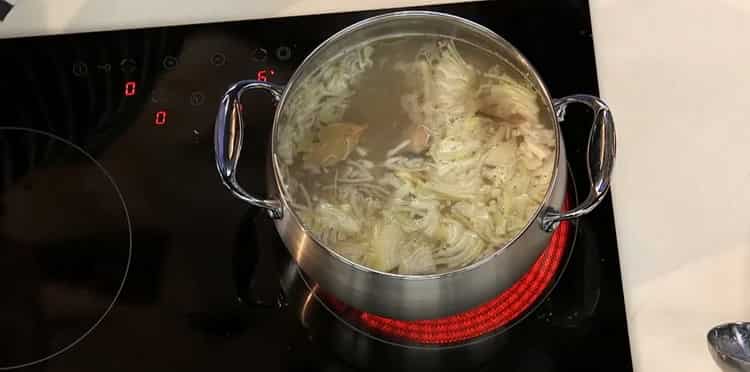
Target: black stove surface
[{"x": 120, "y": 250}]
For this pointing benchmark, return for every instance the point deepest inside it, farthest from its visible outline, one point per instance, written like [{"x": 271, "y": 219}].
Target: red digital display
[
  {"x": 266, "y": 74},
  {"x": 160, "y": 118},
  {"x": 130, "y": 88}
]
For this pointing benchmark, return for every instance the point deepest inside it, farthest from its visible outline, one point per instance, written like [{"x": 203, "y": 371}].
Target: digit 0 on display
[
  {"x": 130, "y": 88},
  {"x": 160, "y": 118}
]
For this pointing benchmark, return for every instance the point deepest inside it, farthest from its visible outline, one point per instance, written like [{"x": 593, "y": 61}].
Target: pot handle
[
  {"x": 228, "y": 133},
  {"x": 600, "y": 153}
]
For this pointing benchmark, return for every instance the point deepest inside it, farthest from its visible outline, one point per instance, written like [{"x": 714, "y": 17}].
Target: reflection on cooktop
[{"x": 59, "y": 273}]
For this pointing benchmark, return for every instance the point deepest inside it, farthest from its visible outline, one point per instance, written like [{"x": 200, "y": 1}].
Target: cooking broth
[{"x": 415, "y": 155}]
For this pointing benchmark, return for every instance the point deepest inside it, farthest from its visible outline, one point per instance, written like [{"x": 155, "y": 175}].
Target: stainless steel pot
[{"x": 415, "y": 296}]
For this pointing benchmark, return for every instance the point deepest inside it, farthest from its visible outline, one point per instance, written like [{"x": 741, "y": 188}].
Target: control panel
[{"x": 90, "y": 88}]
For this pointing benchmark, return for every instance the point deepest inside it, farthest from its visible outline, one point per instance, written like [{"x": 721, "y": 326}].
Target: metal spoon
[{"x": 729, "y": 345}]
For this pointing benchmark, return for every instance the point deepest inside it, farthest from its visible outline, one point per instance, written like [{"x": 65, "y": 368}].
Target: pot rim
[{"x": 529, "y": 73}]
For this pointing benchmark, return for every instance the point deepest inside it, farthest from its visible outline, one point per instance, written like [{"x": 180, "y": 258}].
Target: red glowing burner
[{"x": 480, "y": 320}]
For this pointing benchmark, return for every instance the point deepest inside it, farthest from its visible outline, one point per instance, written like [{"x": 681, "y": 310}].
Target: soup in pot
[{"x": 415, "y": 154}]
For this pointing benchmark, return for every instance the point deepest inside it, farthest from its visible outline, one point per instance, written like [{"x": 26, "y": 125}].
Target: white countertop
[
  {"x": 36, "y": 17},
  {"x": 677, "y": 76}
]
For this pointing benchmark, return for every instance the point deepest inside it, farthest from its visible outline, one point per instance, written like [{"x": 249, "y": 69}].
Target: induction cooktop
[{"x": 121, "y": 250}]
